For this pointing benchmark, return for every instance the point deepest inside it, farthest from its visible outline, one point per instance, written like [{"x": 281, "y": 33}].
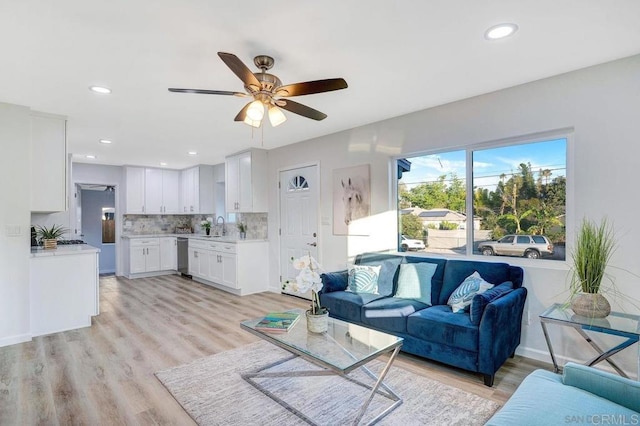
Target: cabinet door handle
[
  {"x": 195, "y": 254},
  {"x": 143, "y": 209}
]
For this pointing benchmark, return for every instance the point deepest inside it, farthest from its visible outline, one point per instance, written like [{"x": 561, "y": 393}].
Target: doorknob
[{"x": 312, "y": 244}]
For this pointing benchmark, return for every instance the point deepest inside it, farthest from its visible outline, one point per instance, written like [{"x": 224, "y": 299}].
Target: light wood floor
[{"x": 104, "y": 374}]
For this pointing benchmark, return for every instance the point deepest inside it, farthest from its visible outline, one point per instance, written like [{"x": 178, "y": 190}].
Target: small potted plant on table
[
  {"x": 309, "y": 279},
  {"x": 242, "y": 229}
]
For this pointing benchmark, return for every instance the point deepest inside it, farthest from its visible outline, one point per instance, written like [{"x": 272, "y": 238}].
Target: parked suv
[
  {"x": 409, "y": 244},
  {"x": 531, "y": 246}
]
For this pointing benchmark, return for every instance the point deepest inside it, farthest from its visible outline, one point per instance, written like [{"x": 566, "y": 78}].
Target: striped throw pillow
[
  {"x": 363, "y": 279},
  {"x": 461, "y": 298}
]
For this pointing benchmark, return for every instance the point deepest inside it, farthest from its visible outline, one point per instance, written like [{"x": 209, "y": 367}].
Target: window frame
[{"x": 566, "y": 133}]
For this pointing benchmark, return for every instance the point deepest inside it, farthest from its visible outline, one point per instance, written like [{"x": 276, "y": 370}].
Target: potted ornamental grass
[
  {"x": 49, "y": 236},
  {"x": 595, "y": 244}
]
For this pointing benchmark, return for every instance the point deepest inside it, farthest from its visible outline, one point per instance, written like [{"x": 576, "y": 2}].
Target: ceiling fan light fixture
[
  {"x": 255, "y": 111},
  {"x": 252, "y": 123},
  {"x": 276, "y": 116}
]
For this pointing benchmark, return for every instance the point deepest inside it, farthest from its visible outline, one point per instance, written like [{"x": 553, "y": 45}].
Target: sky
[{"x": 490, "y": 163}]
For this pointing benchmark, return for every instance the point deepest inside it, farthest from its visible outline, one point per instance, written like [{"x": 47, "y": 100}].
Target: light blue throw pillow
[
  {"x": 461, "y": 298},
  {"x": 363, "y": 279},
  {"x": 414, "y": 281}
]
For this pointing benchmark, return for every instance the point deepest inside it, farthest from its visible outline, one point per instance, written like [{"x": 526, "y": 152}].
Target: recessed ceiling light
[
  {"x": 100, "y": 89},
  {"x": 105, "y": 141},
  {"x": 91, "y": 157},
  {"x": 500, "y": 31},
  {"x": 163, "y": 164},
  {"x": 193, "y": 153}
]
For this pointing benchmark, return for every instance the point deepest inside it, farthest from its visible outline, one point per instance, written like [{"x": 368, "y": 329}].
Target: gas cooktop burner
[{"x": 70, "y": 242}]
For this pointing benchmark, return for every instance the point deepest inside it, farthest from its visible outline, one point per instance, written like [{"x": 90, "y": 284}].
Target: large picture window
[{"x": 517, "y": 194}]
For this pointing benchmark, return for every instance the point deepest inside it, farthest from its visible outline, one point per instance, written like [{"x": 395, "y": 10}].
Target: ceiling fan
[{"x": 268, "y": 91}]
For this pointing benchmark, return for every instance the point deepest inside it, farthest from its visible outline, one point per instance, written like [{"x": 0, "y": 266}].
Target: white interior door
[{"x": 299, "y": 201}]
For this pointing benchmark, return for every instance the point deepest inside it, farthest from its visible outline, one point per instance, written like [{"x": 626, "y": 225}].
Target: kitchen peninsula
[{"x": 63, "y": 288}]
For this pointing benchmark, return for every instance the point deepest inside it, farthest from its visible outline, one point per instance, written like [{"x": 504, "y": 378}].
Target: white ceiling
[{"x": 397, "y": 57}]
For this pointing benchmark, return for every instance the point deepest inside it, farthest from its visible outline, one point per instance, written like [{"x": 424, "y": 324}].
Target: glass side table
[{"x": 617, "y": 324}]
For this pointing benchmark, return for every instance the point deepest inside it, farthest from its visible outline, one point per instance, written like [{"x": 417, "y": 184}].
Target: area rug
[{"x": 212, "y": 392}]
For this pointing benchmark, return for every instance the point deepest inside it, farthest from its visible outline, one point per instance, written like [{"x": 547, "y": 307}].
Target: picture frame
[{"x": 351, "y": 199}]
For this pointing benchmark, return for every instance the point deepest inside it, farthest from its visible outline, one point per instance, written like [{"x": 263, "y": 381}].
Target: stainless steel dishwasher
[{"x": 183, "y": 256}]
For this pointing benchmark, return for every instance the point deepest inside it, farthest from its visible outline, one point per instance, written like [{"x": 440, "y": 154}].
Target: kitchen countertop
[
  {"x": 64, "y": 250},
  {"x": 221, "y": 239}
]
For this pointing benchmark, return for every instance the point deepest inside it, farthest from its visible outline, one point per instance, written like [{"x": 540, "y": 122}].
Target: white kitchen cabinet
[
  {"x": 168, "y": 253},
  {"x": 49, "y": 177},
  {"x": 196, "y": 190},
  {"x": 237, "y": 267},
  {"x": 144, "y": 256},
  {"x": 162, "y": 191},
  {"x": 134, "y": 178},
  {"x": 199, "y": 262},
  {"x": 246, "y": 182}
]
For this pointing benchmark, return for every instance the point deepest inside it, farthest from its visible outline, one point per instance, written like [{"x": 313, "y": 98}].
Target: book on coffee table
[{"x": 278, "y": 322}]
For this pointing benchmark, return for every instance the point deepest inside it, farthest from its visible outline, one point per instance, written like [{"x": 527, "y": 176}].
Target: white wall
[
  {"x": 15, "y": 176},
  {"x": 599, "y": 103}
]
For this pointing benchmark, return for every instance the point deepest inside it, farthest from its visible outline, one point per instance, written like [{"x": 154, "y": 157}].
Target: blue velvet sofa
[
  {"x": 435, "y": 332},
  {"x": 581, "y": 396}
]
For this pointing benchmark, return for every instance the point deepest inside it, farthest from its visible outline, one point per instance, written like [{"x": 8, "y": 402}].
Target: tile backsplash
[{"x": 166, "y": 224}]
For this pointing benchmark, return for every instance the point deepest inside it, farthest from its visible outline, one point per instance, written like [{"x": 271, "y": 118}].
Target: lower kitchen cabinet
[
  {"x": 232, "y": 267},
  {"x": 150, "y": 256}
]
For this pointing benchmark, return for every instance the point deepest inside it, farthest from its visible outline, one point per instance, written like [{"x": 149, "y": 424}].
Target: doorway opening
[{"x": 96, "y": 221}]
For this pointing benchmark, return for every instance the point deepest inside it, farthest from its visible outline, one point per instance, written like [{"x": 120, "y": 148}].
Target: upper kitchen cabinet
[
  {"x": 246, "y": 182},
  {"x": 197, "y": 190},
  {"x": 49, "y": 160},
  {"x": 162, "y": 191},
  {"x": 134, "y": 190}
]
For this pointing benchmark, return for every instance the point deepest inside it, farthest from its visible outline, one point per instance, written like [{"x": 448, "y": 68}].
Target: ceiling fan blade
[
  {"x": 239, "y": 69},
  {"x": 303, "y": 110},
  {"x": 311, "y": 87},
  {"x": 208, "y": 92},
  {"x": 243, "y": 113}
]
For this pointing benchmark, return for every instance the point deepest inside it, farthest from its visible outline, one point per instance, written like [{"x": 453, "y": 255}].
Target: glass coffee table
[
  {"x": 617, "y": 324},
  {"x": 343, "y": 348}
]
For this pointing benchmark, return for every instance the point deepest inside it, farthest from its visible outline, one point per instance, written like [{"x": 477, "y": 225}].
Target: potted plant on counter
[
  {"x": 594, "y": 246},
  {"x": 48, "y": 236},
  {"x": 242, "y": 229},
  {"x": 206, "y": 225}
]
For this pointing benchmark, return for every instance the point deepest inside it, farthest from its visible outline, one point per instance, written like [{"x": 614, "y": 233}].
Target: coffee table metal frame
[
  {"x": 328, "y": 369},
  {"x": 620, "y": 324}
]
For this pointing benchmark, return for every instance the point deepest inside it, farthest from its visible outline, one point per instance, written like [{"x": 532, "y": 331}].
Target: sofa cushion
[
  {"x": 481, "y": 300},
  {"x": 414, "y": 281},
  {"x": 388, "y": 269},
  {"x": 542, "y": 399},
  {"x": 334, "y": 281},
  {"x": 436, "y": 280},
  {"x": 363, "y": 278},
  {"x": 461, "y": 298},
  {"x": 390, "y": 313},
  {"x": 440, "y": 325},
  {"x": 346, "y": 305},
  {"x": 457, "y": 270}
]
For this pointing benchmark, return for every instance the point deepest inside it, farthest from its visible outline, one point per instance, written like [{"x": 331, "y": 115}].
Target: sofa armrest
[
  {"x": 334, "y": 281},
  {"x": 622, "y": 391},
  {"x": 500, "y": 329}
]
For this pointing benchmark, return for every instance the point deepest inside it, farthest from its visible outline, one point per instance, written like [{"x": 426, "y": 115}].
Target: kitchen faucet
[{"x": 224, "y": 232}]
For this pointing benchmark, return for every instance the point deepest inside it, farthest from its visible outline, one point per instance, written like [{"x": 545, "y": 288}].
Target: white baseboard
[
  {"x": 540, "y": 355},
  {"x": 13, "y": 340}
]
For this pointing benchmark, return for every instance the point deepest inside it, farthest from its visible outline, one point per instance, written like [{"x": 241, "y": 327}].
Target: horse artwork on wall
[{"x": 351, "y": 200}]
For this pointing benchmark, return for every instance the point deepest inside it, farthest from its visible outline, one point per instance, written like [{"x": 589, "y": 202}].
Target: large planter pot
[
  {"x": 318, "y": 323},
  {"x": 592, "y": 305}
]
